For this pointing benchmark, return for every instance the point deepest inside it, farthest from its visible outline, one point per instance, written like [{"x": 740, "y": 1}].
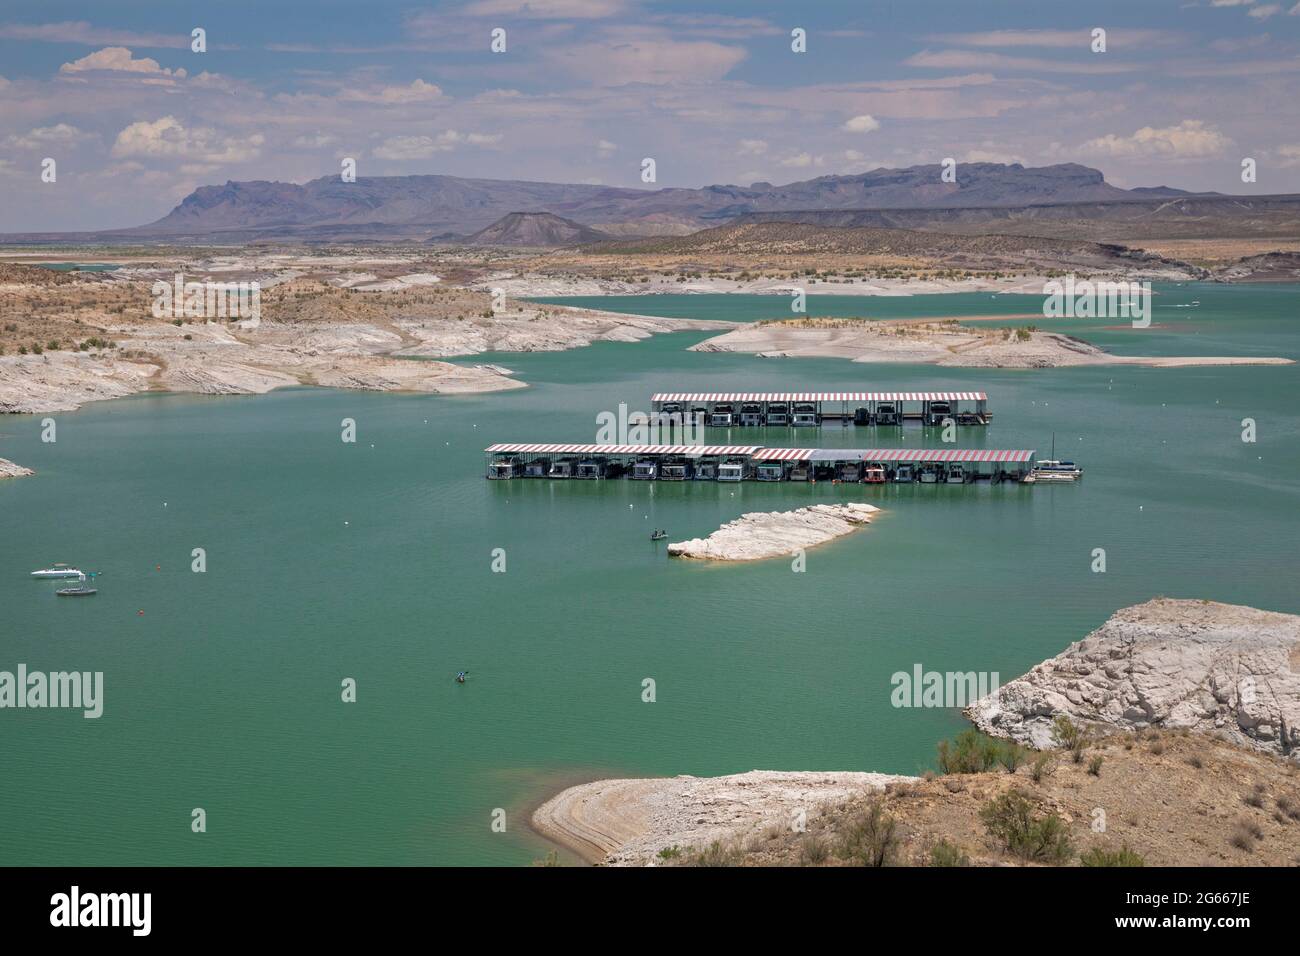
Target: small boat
[
  {"x": 460, "y": 676},
  {"x": 1051, "y": 470},
  {"x": 57, "y": 571},
  {"x": 658, "y": 535},
  {"x": 80, "y": 589}
]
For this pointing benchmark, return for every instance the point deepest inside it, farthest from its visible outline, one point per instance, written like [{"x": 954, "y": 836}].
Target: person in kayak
[{"x": 460, "y": 677}]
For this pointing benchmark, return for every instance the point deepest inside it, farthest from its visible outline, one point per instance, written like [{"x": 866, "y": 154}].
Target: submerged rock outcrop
[
  {"x": 771, "y": 534},
  {"x": 1200, "y": 665},
  {"x": 9, "y": 470}
]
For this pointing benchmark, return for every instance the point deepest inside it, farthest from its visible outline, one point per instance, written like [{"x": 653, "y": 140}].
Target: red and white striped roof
[
  {"x": 559, "y": 449},
  {"x": 819, "y": 397},
  {"x": 923, "y": 454},
  {"x": 779, "y": 454},
  {"x": 784, "y": 454}
]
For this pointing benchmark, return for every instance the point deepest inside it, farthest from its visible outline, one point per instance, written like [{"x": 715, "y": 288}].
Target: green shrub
[
  {"x": 1094, "y": 765},
  {"x": 970, "y": 752},
  {"x": 716, "y": 854},
  {"x": 1011, "y": 755},
  {"x": 813, "y": 851},
  {"x": 946, "y": 853},
  {"x": 1012, "y": 820},
  {"x": 869, "y": 836},
  {"x": 1121, "y": 857},
  {"x": 670, "y": 852},
  {"x": 1065, "y": 733},
  {"x": 1042, "y": 766}
]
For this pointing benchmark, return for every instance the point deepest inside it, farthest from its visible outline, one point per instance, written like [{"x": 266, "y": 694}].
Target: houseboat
[
  {"x": 706, "y": 471},
  {"x": 591, "y": 468},
  {"x": 956, "y": 474},
  {"x": 645, "y": 469},
  {"x": 799, "y": 471},
  {"x": 862, "y": 416},
  {"x": 504, "y": 468},
  {"x": 563, "y": 468},
  {"x": 805, "y": 415},
  {"x": 930, "y": 474},
  {"x": 770, "y": 471},
  {"x": 733, "y": 469},
  {"x": 937, "y": 412},
  {"x": 675, "y": 469},
  {"x": 723, "y": 416},
  {"x": 849, "y": 471},
  {"x": 537, "y": 468},
  {"x": 905, "y": 473},
  {"x": 887, "y": 413},
  {"x": 751, "y": 415},
  {"x": 778, "y": 413},
  {"x": 873, "y": 473}
]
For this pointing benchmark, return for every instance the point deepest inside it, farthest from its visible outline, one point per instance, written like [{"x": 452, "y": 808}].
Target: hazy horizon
[{"x": 135, "y": 119}]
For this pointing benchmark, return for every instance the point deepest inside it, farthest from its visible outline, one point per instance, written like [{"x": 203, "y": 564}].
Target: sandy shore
[
  {"x": 759, "y": 535},
  {"x": 939, "y": 343},
  {"x": 9, "y": 470},
  {"x": 627, "y": 822}
]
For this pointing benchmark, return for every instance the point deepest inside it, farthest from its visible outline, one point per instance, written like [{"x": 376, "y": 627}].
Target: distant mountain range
[
  {"x": 408, "y": 205},
  {"x": 453, "y": 208}
]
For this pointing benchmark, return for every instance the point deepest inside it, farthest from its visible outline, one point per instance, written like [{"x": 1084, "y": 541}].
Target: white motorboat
[{"x": 57, "y": 571}]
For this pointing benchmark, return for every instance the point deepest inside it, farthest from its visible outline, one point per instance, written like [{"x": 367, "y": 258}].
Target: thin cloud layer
[{"x": 586, "y": 88}]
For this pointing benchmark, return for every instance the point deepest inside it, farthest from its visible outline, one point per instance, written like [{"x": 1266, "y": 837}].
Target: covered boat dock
[
  {"x": 796, "y": 409},
  {"x": 758, "y": 463}
]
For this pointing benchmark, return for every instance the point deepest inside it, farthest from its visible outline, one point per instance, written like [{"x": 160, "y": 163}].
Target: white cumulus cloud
[
  {"x": 169, "y": 138},
  {"x": 118, "y": 59},
  {"x": 1189, "y": 139},
  {"x": 861, "y": 124}
]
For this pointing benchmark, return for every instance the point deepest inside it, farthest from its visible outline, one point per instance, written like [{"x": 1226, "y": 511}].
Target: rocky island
[
  {"x": 944, "y": 343},
  {"x": 9, "y": 470},
  {"x": 758, "y": 535}
]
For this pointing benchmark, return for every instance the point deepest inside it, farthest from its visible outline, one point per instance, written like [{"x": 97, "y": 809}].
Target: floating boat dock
[
  {"x": 800, "y": 409},
  {"x": 758, "y": 463}
]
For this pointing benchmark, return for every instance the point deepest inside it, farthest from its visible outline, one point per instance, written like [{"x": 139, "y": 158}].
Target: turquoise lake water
[{"x": 372, "y": 561}]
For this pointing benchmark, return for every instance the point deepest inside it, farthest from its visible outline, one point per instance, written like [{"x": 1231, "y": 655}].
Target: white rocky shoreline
[
  {"x": 10, "y": 470},
  {"x": 1225, "y": 670},
  {"x": 1222, "y": 669},
  {"x": 216, "y": 359}
]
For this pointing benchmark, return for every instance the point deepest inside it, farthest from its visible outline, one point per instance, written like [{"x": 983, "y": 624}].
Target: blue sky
[{"x": 587, "y": 88}]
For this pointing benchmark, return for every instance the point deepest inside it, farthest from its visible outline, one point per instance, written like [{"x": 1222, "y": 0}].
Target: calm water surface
[{"x": 372, "y": 561}]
